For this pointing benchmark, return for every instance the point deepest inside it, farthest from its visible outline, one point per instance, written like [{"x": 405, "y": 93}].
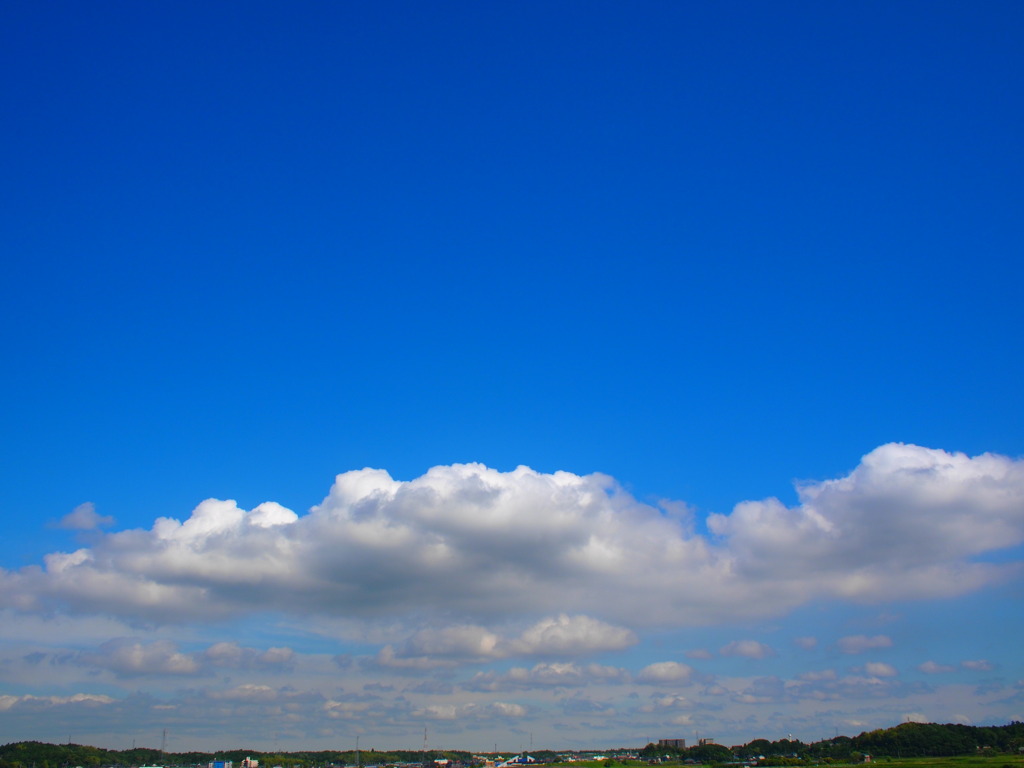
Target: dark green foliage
[
  {"x": 906, "y": 740},
  {"x": 709, "y": 753},
  {"x": 34, "y": 754},
  {"x": 934, "y": 740}
]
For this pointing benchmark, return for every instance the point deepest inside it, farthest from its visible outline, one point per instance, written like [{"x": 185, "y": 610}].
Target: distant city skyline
[{"x": 584, "y": 372}]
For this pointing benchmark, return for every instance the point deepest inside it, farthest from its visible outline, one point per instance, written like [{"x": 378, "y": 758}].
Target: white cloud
[
  {"x": 879, "y": 669},
  {"x": 472, "y": 710},
  {"x": 232, "y": 655},
  {"x": 84, "y": 518},
  {"x": 459, "y": 641},
  {"x": 573, "y": 635},
  {"x": 548, "y": 674},
  {"x": 750, "y": 649},
  {"x": 246, "y": 692},
  {"x": 129, "y": 658},
  {"x": 558, "y": 636},
  {"x": 481, "y": 550},
  {"x": 666, "y": 672},
  {"x": 852, "y": 533},
  {"x": 860, "y": 643},
  {"x": 978, "y": 665},
  {"x": 700, "y": 653},
  {"x": 8, "y": 702},
  {"x": 807, "y": 643},
  {"x": 660, "y": 703},
  {"x": 933, "y": 668}
]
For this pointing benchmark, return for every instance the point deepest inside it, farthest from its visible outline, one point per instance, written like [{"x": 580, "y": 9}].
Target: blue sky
[{"x": 679, "y": 259}]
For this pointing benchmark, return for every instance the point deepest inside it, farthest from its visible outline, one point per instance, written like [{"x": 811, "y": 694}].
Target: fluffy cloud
[
  {"x": 232, "y": 655},
  {"x": 574, "y": 635},
  {"x": 666, "y": 672},
  {"x": 933, "y": 668},
  {"x": 8, "y": 702},
  {"x": 978, "y": 665},
  {"x": 852, "y": 533},
  {"x": 559, "y": 636},
  {"x": 472, "y": 549},
  {"x": 750, "y": 649},
  {"x": 490, "y": 711},
  {"x": 661, "y": 703},
  {"x": 84, "y": 518},
  {"x": 130, "y": 658},
  {"x": 880, "y": 669},
  {"x": 554, "y": 674}
]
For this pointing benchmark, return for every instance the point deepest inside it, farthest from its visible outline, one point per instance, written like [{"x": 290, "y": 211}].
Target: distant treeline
[
  {"x": 35, "y": 754},
  {"x": 906, "y": 740}
]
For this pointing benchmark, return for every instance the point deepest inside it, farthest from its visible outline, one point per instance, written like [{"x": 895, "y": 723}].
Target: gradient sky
[{"x": 571, "y": 373}]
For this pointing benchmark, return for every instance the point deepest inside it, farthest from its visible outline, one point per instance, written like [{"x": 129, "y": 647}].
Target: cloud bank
[{"x": 571, "y": 560}]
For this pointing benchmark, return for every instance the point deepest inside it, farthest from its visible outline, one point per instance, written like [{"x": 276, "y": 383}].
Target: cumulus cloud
[
  {"x": 666, "y": 672},
  {"x": 750, "y": 649},
  {"x": 852, "y": 532},
  {"x": 246, "y": 692},
  {"x": 763, "y": 690},
  {"x": 471, "y": 710},
  {"x": 880, "y": 669},
  {"x": 8, "y": 702},
  {"x": 84, "y": 518},
  {"x": 473, "y": 549},
  {"x": 573, "y": 635},
  {"x": 860, "y": 643},
  {"x": 131, "y": 658},
  {"x": 661, "y": 703},
  {"x": 553, "y": 674},
  {"x": 933, "y": 668},
  {"x": 978, "y": 665},
  {"x": 558, "y": 636},
  {"x": 232, "y": 655}
]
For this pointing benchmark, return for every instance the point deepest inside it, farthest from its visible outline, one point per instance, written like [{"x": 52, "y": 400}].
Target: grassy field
[{"x": 960, "y": 761}]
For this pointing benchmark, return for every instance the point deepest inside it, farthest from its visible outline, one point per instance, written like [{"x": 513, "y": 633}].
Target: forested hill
[
  {"x": 932, "y": 740},
  {"x": 906, "y": 740}
]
